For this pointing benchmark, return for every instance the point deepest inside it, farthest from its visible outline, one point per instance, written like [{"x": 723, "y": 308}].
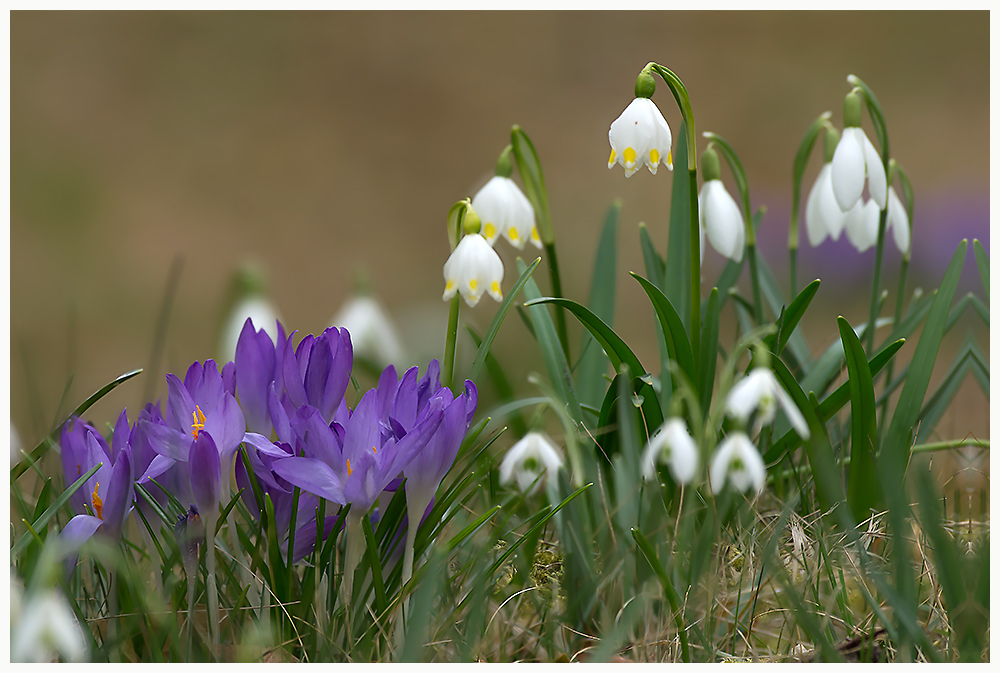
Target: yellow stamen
[
  {"x": 513, "y": 234},
  {"x": 629, "y": 156},
  {"x": 373, "y": 450},
  {"x": 611, "y": 161},
  {"x": 349, "y": 470},
  {"x": 199, "y": 421},
  {"x": 654, "y": 157},
  {"x": 670, "y": 158},
  {"x": 534, "y": 234},
  {"x": 495, "y": 287},
  {"x": 472, "y": 284},
  {"x": 489, "y": 230},
  {"x": 98, "y": 503},
  {"x": 450, "y": 284}
]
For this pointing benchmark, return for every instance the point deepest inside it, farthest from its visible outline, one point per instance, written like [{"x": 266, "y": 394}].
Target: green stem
[
  {"x": 695, "y": 259},
  {"x": 550, "y": 253},
  {"x": 758, "y": 304},
  {"x": 897, "y": 316},
  {"x": 793, "y": 265},
  {"x": 873, "y": 311},
  {"x": 211, "y": 520},
  {"x": 448, "y": 362}
]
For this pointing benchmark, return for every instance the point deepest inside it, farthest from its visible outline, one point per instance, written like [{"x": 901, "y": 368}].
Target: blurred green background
[{"x": 318, "y": 144}]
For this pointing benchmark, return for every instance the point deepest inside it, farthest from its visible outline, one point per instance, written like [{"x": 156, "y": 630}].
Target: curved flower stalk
[
  {"x": 505, "y": 210},
  {"x": 856, "y": 160},
  {"x": 640, "y": 136},
  {"x": 472, "y": 269},
  {"x": 528, "y": 461},
  {"x": 674, "y": 446},
  {"x": 737, "y": 461},
  {"x": 760, "y": 391}
]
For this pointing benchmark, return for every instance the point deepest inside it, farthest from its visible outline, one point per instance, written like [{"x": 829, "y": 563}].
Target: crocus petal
[
  {"x": 119, "y": 495},
  {"x": 340, "y": 372},
  {"x": 313, "y": 476},
  {"x": 876, "y": 173},
  {"x": 254, "y": 373},
  {"x": 226, "y": 425},
  {"x": 157, "y": 466},
  {"x": 75, "y": 533},
  {"x": 119, "y": 440},
  {"x": 206, "y": 473},
  {"x": 849, "y": 168},
  {"x": 180, "y": 405},
  {"x": 319, "y": 440},
  {"x": 404, "y": 405}
]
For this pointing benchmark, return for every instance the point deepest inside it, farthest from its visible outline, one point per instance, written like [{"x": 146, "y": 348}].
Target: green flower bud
[
  {"x": 762, "y": 356},
  {"x": 471, "y": 222},
  {"x": 504, "y": 166},
  {"x": 830, "y": 141},
  {"x": 710, "y": 166},
  {"x": 852, "y": 110},
  {"x": 891, "y": 174},
  {"x": 645, "y": 85}
]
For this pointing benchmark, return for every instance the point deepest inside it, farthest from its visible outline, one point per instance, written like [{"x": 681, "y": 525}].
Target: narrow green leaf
[
  {"x": 668, "y": 589},
  {"x": 968, "y": 358},
  {"x": 674, "y": 332},
  {"x": 530, "y": 169},
  {"x": 593, "y": 363},
  {"x": 467, "y": 532},
  {"x": 50, "y": 441},
  {"x": 50, "y": 512},
  {"x": 677, "y": 271},
  {"x": 796, "y": 343},
  {"x": 494, "y": 328},
  {"x": 896, "y": 450},
  {"x": 380, "y": 600},
  {"x": 709, "y": 348},
  {"x": 500, "y": 383},
  {"x": 627, "y": 461},
  {"x": 791, "y": 317},
  {"x": 983, "y": 262},
  {"x": 862, "y": 488},
  {"x": 654, "y": 271},
  {"x": 552, "y": 352}
]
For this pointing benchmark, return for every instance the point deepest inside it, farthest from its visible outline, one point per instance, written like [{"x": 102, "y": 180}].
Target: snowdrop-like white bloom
[
  {"x": 861, "y": 223},
  {"x": 671, "y": 445},
  {"x": 640, "y": 136},
  {"x": 260, "y": 311},
  {"x": 721, "y": 220},
  {"x": 528, "y": 459},
  {"x": 823, "y": 215},
  {"x": 505, "y": 210},
  {"x": 898, "y": 222},
  {"x": 855, "y": 159},
  {"x": 373, "y": 334},
  {"x": 759, "y": 390},
  {"x": 44, "y": 627},
  {"x": 738, "y": 461},
  {"x": 474, "y": 267}
]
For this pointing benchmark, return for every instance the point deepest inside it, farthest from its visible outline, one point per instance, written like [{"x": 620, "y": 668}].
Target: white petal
[
  {"x": 744, "y": 397},
  {"x": 876, "y": 173},
  {"x": 791, "y": 411},
  {"x": 816, "y": 226},
  {"x": 722, "y": 220},
  {"x": 474, "y": 268},
  {"x": 848, "y": 169},
  {"x": 640, "y": 136},
  {"x": 858, "y": 222},
  {"x": 373, "y": 334},
  {"x": 898, "y": 222},
  {"x": 533, "y": 446},
  {"x": 737, "y": 460}
]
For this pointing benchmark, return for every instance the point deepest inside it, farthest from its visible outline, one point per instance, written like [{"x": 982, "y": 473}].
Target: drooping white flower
[
  {"x": 505, "y": 210},
  {"x": 44, "y": 627},
  {"x": 898, "y": 222},
  {"x": 823, "y": 215},
  {"x": 640, "y": 136},
  {"x": 528, "y": 459},
  {"x": 856, "y": 159},
  {"x": 473, "y": 268},
  {"x": 260, "y": 311},
  {"x": 373, "y": 334},
  {"x": 760, "y": 391},
  {"x": 671, "y": 445},
  {"x": 721, "y": 220},
  {"x": 861, "y": 223},
  {"x": 737, "y": 460}
]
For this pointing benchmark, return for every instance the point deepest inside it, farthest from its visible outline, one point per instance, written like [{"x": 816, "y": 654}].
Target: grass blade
[
  {"x": 50, "y": 512},
  {"x": 983, "y": 262},
  {"x": 674, "y": 332},
  {"x": 862, "y": 488}
]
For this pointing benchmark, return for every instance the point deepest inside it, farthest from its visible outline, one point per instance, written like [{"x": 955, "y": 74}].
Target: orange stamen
[
  {"x": 98, "y": 503},
  {"x": 349, "y": 467},
  {"x": 199, "y": 421}
]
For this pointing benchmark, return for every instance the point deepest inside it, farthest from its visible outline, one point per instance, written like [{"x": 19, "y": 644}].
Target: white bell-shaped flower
[
  {"x": 823, "y": 215},
  {"x": 721, "y": 220},
  {"x": 640, "y": 136},
  {"x": 527, "y": 461},
  {"x": 373, "y": 334},
  {"x": 44, "y": 628},
  {"x": 505, "y": 210},
  {"x": 760, "y": 391},
  {"x": 898, "y": 222},
  {"x": 671, "y": 445},
  {"x": 738, "y": 462},
  {"x": 861, "y": 223},
  {"x": 473, "y": 268},
  {"x": 260, "y": 311},
  {"x": 855, "y": 159}
]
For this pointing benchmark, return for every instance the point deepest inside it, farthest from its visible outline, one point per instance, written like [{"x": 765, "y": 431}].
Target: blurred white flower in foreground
[
  {"x": 373, "y": 334},
  {"x": 671, "y": 445},
  {"x": 760, "y": 391},
  {"x": 505, "y": 210},
  {"x": 474, "y": 267},
  {"x": 43, "y": 627},
  {"x": 640, "y": 136},
  {"x": 528, "y": 459},
  {"x": 738, "y": 461}
]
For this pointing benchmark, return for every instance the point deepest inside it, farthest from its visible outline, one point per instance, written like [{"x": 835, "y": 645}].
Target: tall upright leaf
[
  {"x": 678, "y": 267},
  {"x": 862, "y": 489},
  {"x": 590, "y": 385}
]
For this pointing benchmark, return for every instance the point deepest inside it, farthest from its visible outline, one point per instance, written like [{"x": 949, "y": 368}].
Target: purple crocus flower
[
  {"x": 256, "y": 369},
  {"x": 316, "y": 373},
  {"x": 82, "y": 447}
]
